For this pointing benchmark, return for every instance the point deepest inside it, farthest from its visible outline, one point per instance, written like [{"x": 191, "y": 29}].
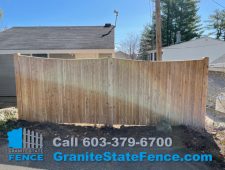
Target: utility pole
[{"x": 158, "y": 31}]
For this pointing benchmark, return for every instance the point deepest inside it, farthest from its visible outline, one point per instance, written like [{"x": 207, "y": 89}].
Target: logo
[
  {"x": 23, "y": 138},
  {"x": 25, "y": 145}
]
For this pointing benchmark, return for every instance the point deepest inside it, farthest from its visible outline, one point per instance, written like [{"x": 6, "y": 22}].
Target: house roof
[
  {"x": 195, "y": 49},
  {"x": 50, "y": 38},
  {"x": 196, "y": 43}
]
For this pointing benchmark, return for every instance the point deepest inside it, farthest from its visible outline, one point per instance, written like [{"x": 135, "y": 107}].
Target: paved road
[{"x": 13, "y": 167}]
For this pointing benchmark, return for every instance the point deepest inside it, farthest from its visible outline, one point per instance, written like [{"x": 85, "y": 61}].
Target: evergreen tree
[
  {"x": 177, "y": 15},
  {"x": 147, "y": 42}
]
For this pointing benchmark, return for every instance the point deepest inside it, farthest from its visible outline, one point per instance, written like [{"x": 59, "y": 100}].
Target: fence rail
[{"x": 111, "y": 91}]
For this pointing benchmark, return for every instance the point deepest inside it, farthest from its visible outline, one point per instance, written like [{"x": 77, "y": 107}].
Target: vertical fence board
[
  {"x": 204, "y": 91},
  {"x": 18, "y": 86}
]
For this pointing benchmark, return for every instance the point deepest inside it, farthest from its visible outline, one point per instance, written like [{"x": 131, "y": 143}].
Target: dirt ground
[
  {"x": 215, "y": 125},
  {"x": 185, "y": 140}
]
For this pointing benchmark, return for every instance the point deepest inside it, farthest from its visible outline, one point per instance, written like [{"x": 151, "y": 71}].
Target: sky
[{"x": 133, "y": 14}]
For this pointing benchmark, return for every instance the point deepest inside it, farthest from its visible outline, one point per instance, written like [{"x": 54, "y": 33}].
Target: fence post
[
  {"x": 204, "y": 90},
  {"x": 18, "y": 86},
  {"x": 110, "y": 92}
]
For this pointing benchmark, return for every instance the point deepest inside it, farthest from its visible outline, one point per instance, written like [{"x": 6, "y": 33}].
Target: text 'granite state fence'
[{"x": 111, "y": 91}]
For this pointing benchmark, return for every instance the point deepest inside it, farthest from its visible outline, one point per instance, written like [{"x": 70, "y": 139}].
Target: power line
[
  {"x": 158, "y": 31},
  {"x": 218, "y": 3},
  {"x": 150, "y": 7}
]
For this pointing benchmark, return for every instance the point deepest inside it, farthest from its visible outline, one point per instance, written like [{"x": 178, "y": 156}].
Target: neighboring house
[
  {"x": 67, "y": 42},
  {"x": 122, "y": 55},
  {"x": 193, "y": 50}
]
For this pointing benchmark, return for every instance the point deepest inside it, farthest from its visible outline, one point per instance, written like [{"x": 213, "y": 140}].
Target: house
[
  {"x": 67, "y": 42},
  {"x": 122, "y": 55},
  {"x": 193, "y": 50}
]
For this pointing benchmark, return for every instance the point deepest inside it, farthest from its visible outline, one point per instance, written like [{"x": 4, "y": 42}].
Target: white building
[{"x": 194, "y": 49}]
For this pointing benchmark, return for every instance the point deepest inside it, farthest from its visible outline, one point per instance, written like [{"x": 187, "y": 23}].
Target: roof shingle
[{"x": 50, "y": 38}]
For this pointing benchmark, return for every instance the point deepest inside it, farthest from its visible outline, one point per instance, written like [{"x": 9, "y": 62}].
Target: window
[
  {"x": 155, "y": 57},
  {"x": 40, "y": 55},
  {"x": 151, "y": 57},
  {"x": 26, "y": 54}
]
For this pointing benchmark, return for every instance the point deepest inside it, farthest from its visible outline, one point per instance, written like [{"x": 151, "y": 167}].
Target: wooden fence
[{"x": 111, "y": 91}]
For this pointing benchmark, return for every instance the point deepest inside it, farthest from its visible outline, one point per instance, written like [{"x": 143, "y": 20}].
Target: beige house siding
[
  {"x": 103, "y": 55},
  {"x": 86, "y": 55},
  {"x": 62, "y": 56},
  {"x": 82, "y": 54},
  {"x": 93, "y": 55},
  {"x": 7, "y": 77}
]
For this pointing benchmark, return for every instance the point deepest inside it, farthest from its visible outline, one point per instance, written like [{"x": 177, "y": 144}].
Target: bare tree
[
  {"x": 2, "y": 27},
  {"x": 1, "y": 13},
  {"x": 130, "y": 45},
  {"x": 217, "y": 23}
]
